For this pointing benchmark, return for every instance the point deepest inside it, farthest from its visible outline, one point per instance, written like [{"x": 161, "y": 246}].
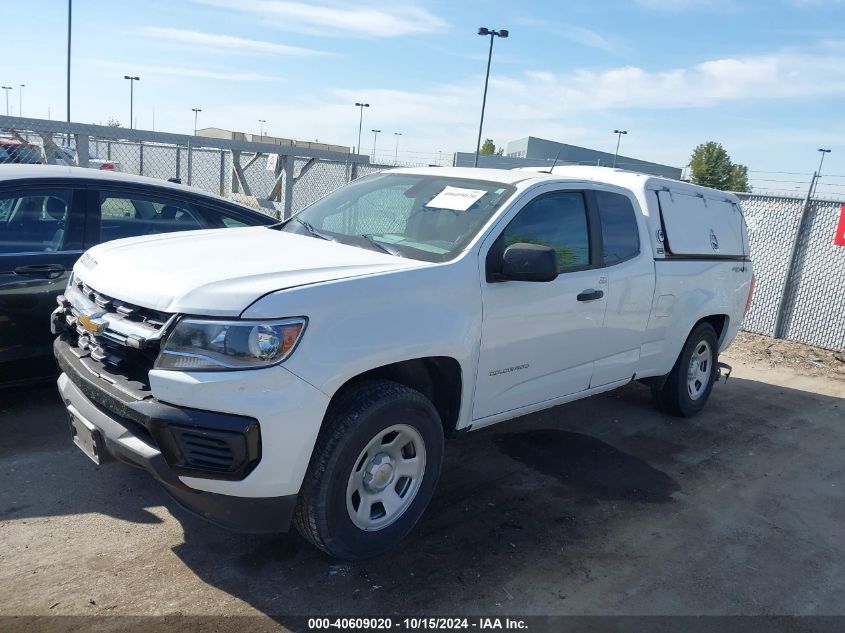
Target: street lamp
[
  {"x": 375, "y": 136},
  {"x": 7, "y": 89},
  {"x": 132, "y": 81},
  {"x": 20, "y": 100},
  {"x": 69, "y": 14},
  {"x": 196, "y": 112},
  {"x": 262, "y": 122},
  {"x": 619, "y": 134},
  {"x": 396, "y": 155},
  {"x": 360, "y": 121},
  {"x": 492, "y": 33},
  {"x": 821, "y": 162}
]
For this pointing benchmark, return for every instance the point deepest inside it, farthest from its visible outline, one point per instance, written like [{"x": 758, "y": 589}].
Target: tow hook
[{"x": 720, "y": 366}]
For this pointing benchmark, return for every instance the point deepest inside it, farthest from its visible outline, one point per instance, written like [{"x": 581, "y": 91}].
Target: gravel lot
[{"x": 602, "y": 506}]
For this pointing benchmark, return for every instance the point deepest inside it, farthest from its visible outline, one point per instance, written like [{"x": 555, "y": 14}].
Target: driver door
[{"x": 539, "y": 339}]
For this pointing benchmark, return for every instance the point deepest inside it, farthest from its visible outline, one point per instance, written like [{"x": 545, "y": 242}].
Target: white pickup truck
[{"x": 310, "y": 371}]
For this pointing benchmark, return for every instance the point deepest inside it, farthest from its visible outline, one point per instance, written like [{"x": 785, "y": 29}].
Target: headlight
[{"x": 208, "y": 345}]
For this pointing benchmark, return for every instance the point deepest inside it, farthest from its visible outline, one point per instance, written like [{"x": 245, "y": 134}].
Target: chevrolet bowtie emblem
[{"x": 93, "y": 323}]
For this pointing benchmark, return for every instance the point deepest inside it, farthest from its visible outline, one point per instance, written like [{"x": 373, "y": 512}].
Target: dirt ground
[{"x": 602, "y": 506}]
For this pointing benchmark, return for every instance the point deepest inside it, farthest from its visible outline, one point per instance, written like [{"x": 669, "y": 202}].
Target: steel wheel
[
  {"x": 386, "y": 477},
  {"x": 700, "y": 369}
]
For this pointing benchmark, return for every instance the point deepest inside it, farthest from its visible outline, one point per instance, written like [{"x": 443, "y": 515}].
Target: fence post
[
  {"x": 190, "y": 163},
  {"x": 179, "y": 162},
  {"x": 82, "y": 150},
  {"x": 790, "y": 269},
  {"x": 108, "y": 150},
  {"x": 141, "y": 158},
  {"x": 222, "y": 172},
  {"x": 288, "y": 186}
]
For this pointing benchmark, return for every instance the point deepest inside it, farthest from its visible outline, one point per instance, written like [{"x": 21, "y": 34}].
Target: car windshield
[{"x": 425, "y": 217}]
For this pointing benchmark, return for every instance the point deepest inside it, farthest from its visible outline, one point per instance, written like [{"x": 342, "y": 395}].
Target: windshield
[{"x": 410, "y": 215}]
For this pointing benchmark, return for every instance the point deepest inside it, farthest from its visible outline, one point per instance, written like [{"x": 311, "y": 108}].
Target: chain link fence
[
  {"x": 806, "y": 303},
  {"x": 277, "y": 179}
]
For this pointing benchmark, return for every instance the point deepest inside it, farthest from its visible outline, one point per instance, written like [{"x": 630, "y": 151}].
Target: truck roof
[{"x": 575, "y": 173}]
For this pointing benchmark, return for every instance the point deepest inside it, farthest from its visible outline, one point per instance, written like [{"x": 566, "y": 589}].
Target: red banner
[{"x": 839, "y": 238}]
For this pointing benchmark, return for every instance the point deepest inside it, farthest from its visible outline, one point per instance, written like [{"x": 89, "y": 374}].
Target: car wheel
[
  {"x": 373, "y": 471},
  {"x": 691, "y": 380}
]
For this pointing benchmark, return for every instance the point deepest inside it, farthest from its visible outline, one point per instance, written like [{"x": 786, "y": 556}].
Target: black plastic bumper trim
[
  {"x": 254, "y": 515},
  {"x": 163, "y": 425}
]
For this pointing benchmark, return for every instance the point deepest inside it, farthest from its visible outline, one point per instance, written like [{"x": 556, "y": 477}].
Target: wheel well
[
  {"x": 719, "y": 323},
  {"x": 438, "y": 378}
]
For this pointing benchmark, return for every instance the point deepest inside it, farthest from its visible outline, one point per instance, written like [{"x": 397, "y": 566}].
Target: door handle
[
  {"x": 590, "y": 295},
  {"x": 50, "y": 271}
]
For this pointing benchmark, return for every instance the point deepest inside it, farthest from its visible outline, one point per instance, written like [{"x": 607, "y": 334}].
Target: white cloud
[
  {"x": 577, "y": 34},
  {"x": 225, "y": 42},
  {"x": 150, "y": 70},
  {"x": 390, "y": 20}
]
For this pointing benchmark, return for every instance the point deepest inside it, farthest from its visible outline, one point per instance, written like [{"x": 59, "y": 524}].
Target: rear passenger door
[
  {"x": 629, "y": 272},
  {"x": 41, "y": 229}
]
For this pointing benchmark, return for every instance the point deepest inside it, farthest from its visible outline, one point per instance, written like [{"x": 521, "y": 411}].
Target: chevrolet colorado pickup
[{"x": 309, "y": 371}]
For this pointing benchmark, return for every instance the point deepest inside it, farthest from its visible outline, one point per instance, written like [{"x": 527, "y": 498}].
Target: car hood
[{"x": 220, "y": 272}]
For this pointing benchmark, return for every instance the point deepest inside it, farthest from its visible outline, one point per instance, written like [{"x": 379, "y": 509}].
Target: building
[
  {"x": 539, "y": 149},
  {"x": 216, "y": 132}
]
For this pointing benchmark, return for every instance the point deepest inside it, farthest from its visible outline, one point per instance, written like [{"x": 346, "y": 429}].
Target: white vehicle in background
[
  {"x": 309, "y": 371},
  {"x": 70, "y": 159}
]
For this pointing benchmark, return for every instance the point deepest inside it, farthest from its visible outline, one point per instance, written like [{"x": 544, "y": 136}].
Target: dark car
[{"x": 49, "y": 215}]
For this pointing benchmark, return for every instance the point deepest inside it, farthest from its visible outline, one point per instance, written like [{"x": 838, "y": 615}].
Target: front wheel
[
  {"x": 691, "y": 380},
  {"x": 373, "y": 471}
]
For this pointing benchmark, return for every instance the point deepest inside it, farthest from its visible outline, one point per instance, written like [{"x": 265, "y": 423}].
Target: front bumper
[{"x": 152, "y": 435}]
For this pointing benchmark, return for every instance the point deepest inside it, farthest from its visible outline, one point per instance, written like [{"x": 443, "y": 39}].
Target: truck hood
[{"x": 220, "y": 272}]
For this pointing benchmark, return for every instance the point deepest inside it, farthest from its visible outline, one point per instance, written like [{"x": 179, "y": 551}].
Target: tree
[
  {"x": 711, "y": 166},
  {"x": 488, "y": 147},
  {"x": 739, "y": 179},
  {"x": 112, "y": 122}
]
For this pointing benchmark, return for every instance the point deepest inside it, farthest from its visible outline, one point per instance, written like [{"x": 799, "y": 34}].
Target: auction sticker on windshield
[{"x": 456, "y": 198}]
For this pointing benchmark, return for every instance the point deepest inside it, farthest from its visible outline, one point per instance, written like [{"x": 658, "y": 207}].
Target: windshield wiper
[
  {"x": 312, "y": 230},
  {"x": 381, "y": 246}
]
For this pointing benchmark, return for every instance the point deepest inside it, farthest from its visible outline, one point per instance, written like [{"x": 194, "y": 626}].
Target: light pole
[
  {"x": 396, "y": 155},
  {"x": 7, "y": 89},
  {"x": 821, "y": 162},
  {"x": 492, "y": 33},
  {"x": 69, "y": 14},
  {"x": 196, "y": 112},
  {"x": 262, "y": 122},
  {"x": 619, "y": 134},
  {"x": 20, "y": 100},
  {"x": 360, "y": 122},
  {"x": 132, "y": 81},
  {"x": 375, "y": 136}
]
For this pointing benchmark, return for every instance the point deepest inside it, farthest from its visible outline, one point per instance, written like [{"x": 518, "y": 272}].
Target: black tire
[
  {"x": 674, "y": 396},
  {"x": 354, "y": 419}
]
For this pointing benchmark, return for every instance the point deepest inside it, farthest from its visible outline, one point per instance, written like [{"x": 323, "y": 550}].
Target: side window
[
  {"x": 232, "y": 223},
  {"x": 130, "y": 214},
  {"x": 558, "y": 220},
  {"x": 34, "y": 221},
  {"x": 619, "y": 230}
]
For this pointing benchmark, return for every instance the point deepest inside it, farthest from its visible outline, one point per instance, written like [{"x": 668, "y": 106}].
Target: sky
[{"x": 764, "y": 78}]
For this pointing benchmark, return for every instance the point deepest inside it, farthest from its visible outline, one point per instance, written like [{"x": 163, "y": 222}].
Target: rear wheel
[
  {"x": 373, "y": 471},
  {"x": 691, "y": 380}
]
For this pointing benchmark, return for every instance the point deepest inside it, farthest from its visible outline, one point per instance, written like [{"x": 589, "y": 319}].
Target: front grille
[{"x": 119, "y": 338}]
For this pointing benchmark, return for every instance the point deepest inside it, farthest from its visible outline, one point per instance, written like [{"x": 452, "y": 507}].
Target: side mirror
[{"x": 529, "y": 262}]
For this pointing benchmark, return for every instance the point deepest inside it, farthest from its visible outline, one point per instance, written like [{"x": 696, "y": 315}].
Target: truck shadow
[{"x": 543, "y": 492}]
